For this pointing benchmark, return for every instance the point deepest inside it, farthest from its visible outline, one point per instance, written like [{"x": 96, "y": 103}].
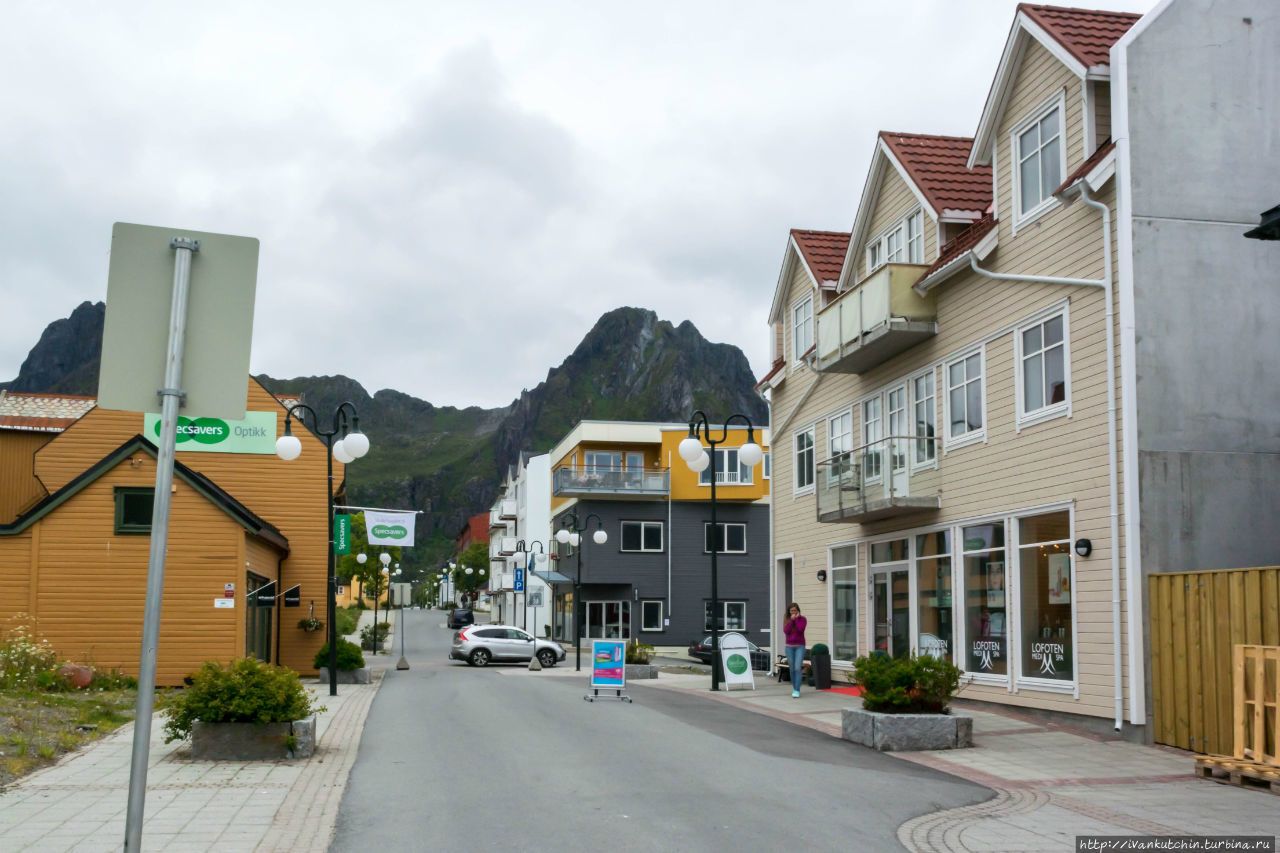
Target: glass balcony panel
[
  {"x": 853, "y": 486},
  {"x": 611, "y": 480}
]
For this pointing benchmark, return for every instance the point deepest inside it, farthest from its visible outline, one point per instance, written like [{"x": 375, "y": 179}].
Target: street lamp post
[
  {"x": 350, "y": 444},
  {"x": 385, "y": 559},
  {"x": 529, "y": 557},
  {"x": 571, "y": 532},
  {"x": 692, "y": 452}
]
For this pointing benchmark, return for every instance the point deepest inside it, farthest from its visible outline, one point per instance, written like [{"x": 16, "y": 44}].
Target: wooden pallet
[{"x": 1238, "y": 772}]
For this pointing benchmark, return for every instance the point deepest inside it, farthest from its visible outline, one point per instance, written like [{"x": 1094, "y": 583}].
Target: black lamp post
[
  {"x": 692, "y": 452},
  {"x": 529, "y": 556},
  {"x": 571, "y": 532},
  {"x": 350, "y": 445}
]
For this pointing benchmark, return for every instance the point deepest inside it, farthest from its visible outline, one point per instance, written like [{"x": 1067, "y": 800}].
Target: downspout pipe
[{"x": 1112, "y": 453}]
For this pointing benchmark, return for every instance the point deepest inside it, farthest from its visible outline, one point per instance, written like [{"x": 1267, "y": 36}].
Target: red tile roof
[
  {"x": 961, "y": 243},
  {"x": 936, "y": 165},
  {"x": 42, "y": 412},
  {"x": 778, "y": 364},
  {"x": 1087, "y": 166},
  {"x": 1087, "y": 34},
  {"x": 823, "y": 251}
]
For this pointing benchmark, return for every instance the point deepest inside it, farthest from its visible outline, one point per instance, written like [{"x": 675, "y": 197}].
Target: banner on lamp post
[
  {"x": 342, "y": 534},
  {"x": 389, "y": 528}
]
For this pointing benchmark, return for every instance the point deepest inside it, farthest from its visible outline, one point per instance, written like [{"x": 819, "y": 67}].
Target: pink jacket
[{"x": 794, "y": 630}]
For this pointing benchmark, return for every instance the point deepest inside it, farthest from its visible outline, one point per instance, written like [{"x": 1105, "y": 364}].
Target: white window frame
[
  {"x": 724, "y": 607},
  {"x": 644, "y": 623},
  {"x": 832, "y": 568},
  {"x": 706, "y": 528},
  {"x": 1057, "y": 101},
  {"x": 796, "y": 455},
  {"x": 903, "y": 233},
  {"x": 950, "y": 442},
  {"x": 872, "y": 445},
  {"x": 1050, "y": 410},
  {"x": 767, "y": 465},
  {"x": 723, "y": 477},
  {"x": 1013, "y": 537},
  {"x": 931, "y": 403},
  {"x": 798, "y": 351},
  {"x": 643, "y": 524}
]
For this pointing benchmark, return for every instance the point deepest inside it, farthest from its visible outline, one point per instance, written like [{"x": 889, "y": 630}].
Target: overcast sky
[{"x": 449, "y": 194}]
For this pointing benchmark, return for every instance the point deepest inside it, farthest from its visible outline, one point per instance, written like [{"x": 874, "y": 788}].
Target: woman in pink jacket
[{"x": 793, "y": 629}]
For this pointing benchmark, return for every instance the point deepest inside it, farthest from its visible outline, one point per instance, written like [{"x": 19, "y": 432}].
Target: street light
[
  {"x": 570, "y": 533},
  {"x": 385, "y": 559},
  {"x": 529, "y": 558},
  {"x": 693, "y": 454},
  {"x": 350, "y": 443}
]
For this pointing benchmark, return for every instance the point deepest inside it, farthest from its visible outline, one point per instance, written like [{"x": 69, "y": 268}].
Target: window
[
  {"x": 601, "y": 461},
  {"x": 986, "y": 609},
  {"x": 933, "y": 586},
  {"x": 872, "y": 436},
  {"x": 768, "y": 466},
  {"x": 964, "y": 397},
  {"x": 728, "y": 470},
  {"x": 923, "y": 403},
  {"x": 1045, "y": 585},
  {"x": 133, "y": 510},
  {"x": 1042, "y": 358},
  {"x": 733, "y": 616},
  {"x": 844, "y": 602},
  {"x": 804, "y": 459},
  {"x": 839, "y": 441},
  {"x": 651, "y": 616},
  {"x": 902, "y": 243},
  {"x": 802, "y": 326},
  {"x": 1039, "y": 160},
  {"x": 609, "y": 620},
  {"x": 897, "y": 412},
  {"x": 642, "y": 536},
  {"x": 731, "y": 539}
]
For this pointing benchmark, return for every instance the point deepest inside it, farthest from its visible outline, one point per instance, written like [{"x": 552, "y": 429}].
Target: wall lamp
[
  {"x": 1084, "y": 547},
  {"x": 822, "y": 575}
]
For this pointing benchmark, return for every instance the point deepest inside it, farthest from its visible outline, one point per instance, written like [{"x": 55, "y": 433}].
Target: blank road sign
[{"x": 219, "y": 323}]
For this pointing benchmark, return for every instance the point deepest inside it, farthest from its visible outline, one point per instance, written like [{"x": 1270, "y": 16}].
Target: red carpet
[{"x": 852, "y": 690}]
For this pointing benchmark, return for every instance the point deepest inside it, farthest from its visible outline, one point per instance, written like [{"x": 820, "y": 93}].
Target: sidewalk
[{"x": 289, "y": 805}]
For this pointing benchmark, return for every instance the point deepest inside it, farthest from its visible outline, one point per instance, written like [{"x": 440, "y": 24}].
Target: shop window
[
  {"x": 1046, "y": 589},
  {"x": 844, "y": 601},
  {"x": 986, "y": 606},
  {"x": 651, "y": 616},
  {"x": 933, "y": 585},
  {"x": 733, "y": 616},
  {"x": 133, "y": 510}
]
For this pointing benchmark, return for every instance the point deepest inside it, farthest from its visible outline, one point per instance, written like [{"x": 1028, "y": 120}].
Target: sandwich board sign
[
  {"x": 608, "y": 669},
  {"x": 735, "y": 654}
]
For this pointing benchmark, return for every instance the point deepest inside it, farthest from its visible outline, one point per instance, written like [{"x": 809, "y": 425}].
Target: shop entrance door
[{"x": 892, "y": 612}]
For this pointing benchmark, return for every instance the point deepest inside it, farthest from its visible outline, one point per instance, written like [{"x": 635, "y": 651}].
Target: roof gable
[
  {"x": 793, "y": 255},
  {"x": 1080, "y": 39},
  {"x": 41, "y": 412},
  {"x": 823, "y": 252}
]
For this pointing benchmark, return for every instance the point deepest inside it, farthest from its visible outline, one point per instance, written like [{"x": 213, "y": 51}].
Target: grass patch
[{"x": 38, "y": 728}]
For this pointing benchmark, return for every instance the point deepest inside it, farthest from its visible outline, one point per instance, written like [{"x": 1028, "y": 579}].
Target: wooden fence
[{"x": 1197, "y": 620}]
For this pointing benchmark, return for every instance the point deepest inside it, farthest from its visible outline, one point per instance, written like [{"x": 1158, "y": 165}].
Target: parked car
[
  {"x": 701, "y": 650},
  {"x": 461, "y": 617},
  {"x": 478, "y": 645}
]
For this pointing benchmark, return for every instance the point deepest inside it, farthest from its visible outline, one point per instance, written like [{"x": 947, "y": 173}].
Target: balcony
[
  {"x": 499, "y": 581},
  {"x": 506, "y": 545},
  {"x": 873, "y": 322},
  {"x": 507, "y": 509},
  {"x": 883, "y": 479},
  {"x": 610, "y": 482}
]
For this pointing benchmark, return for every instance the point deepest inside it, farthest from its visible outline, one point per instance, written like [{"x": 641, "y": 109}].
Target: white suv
[{"x": 480, "y": 644}]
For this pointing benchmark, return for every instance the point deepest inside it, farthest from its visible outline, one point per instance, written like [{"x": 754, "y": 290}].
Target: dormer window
[
  {"x": 902, "y": 243},
  {"x": 1039, "y": 160}
]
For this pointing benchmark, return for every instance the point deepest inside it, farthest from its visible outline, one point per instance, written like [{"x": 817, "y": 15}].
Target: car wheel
[
  {"x": 480, "y": 657},
  {"x": 547, "y": 658}
]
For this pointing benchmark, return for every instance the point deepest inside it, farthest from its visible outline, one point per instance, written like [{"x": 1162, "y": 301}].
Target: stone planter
[
  {"x": 347, "y": 676},
  {"x": 635, "y": 671},
  {"x": 896, "y": 732},
  {"x": 253, "y": 742}
]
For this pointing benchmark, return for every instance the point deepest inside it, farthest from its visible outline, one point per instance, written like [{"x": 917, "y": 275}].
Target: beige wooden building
[
  {"x": 75, "y": 512},
  {"x": 948, "y": 472}
]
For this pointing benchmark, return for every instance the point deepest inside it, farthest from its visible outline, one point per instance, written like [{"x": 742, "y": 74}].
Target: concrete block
[
  {"x": 857, "y": 727},
  {"x": 348, "y": 676},
  {"x": 636, "y": 671},
  {"x": 906, "y": 732},
  {"x": 239, "y": 741},
  {"x": 304, "y": 737}
]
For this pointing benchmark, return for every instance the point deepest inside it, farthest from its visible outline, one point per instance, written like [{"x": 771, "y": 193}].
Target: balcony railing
[
  {"x": 874, "y": 321},
  {"x": 507, "y": 509},
  {"x": 594, "y": 482},
  {"x": 885, "y": 478}
]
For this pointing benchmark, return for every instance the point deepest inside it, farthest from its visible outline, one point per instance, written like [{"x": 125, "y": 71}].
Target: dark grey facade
[{"x": 678, "y": 576}]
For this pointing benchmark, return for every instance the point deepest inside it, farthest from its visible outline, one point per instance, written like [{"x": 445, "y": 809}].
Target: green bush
[
  {"x": 349, "y": 656},
  {"x": 348, "y": 619},
  {"x": 369, "y": 632},
  {"x": 243, "y": 691},
  {"x": 638, "y": 652},
  {"x": 25, "y": 661},
  {"x": 819, "y": 649},
  {"x": 917, "y": 685}
]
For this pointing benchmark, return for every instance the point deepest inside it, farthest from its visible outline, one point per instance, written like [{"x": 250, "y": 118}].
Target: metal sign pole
[{"x": 171, "y": 399}]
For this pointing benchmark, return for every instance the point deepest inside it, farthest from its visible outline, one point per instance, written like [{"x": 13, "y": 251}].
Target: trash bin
[{"x": 820, "y": 655}]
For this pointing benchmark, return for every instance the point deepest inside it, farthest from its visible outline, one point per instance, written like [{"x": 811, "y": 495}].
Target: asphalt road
[{"x": 459, "y": 758}]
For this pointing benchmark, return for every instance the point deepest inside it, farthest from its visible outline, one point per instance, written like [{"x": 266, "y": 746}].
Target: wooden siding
[
  {"x": 1060, "y": 461},
  {"x": 1197, "y": 619},
  {"x": 15, "y": 572},
  {"x": 19, "y": 488},
  {"x": 289, "y": 495},
  {"x": 894, "y": 201}
]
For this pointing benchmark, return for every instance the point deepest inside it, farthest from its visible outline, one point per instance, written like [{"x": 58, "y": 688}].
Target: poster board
[
  {"x": 735, "y": 655},
  {"x": 608, "y": 664}
]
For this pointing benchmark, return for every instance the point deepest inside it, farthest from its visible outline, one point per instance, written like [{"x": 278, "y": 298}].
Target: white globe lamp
[
  {"x": 600, "y": 537},
  {"x": 340, "y": 453},
  {"x": 384, "y": 558},
  {"x": 562, "y": 536},
  {"x": 699, "y": 463},
  {"x": 689, "y": 448},
  {"x": 750, "y": 454},
  {"x": 356, "y": 444},
  {"x": 288, "y": 447}
]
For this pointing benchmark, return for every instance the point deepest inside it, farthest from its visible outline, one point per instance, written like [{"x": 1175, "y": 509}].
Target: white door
[{"x": 899, "y": 429}]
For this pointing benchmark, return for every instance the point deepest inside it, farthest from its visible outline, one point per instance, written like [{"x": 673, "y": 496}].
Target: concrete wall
[{"x": 1204, "y": 137}]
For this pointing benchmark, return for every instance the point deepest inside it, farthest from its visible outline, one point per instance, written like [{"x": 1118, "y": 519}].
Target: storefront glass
[
  {"x": 891, "y": 599},
  {"x": 933, "y": 585},
  {"x": 564, "y": 616},
  {"x": 1045, "y": 588},
  {"x": 986, "y": 606},
  {"x": 844, "y": 602}
]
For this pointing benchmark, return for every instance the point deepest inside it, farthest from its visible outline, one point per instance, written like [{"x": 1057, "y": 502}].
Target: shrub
[
  {"x": 917, "y": 685},
  {"x": 25, "y": 661},
  {"x": 348, "y": 619},
  {"x": 349, "y": 656},
  {"x": 638, "y": 652},
  {"x": 369, "y": 632},
  {"x": 243, "y": 691}
]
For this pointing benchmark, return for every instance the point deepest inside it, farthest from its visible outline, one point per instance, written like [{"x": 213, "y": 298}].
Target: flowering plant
[{"x": 311, "y": 623}]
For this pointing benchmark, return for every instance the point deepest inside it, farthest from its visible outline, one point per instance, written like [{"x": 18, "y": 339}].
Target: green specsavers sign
[{"x": 256, "y": 433}]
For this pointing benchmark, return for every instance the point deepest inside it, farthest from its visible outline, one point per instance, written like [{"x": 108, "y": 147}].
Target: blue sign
[
  {"x": 519, "y": 585},
  {"x": 608, "y": 663}
]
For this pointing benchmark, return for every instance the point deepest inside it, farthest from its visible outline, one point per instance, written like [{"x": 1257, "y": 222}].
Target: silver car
[{"x": 480, "y": 644}]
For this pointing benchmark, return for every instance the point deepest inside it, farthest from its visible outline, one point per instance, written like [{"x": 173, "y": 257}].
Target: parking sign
[{"x": 519, "y": 583}]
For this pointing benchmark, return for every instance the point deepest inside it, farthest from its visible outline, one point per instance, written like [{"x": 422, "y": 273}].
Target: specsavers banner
[
  {"x": 256, "y": 433},
  {"x": 389, "y": 528}
]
